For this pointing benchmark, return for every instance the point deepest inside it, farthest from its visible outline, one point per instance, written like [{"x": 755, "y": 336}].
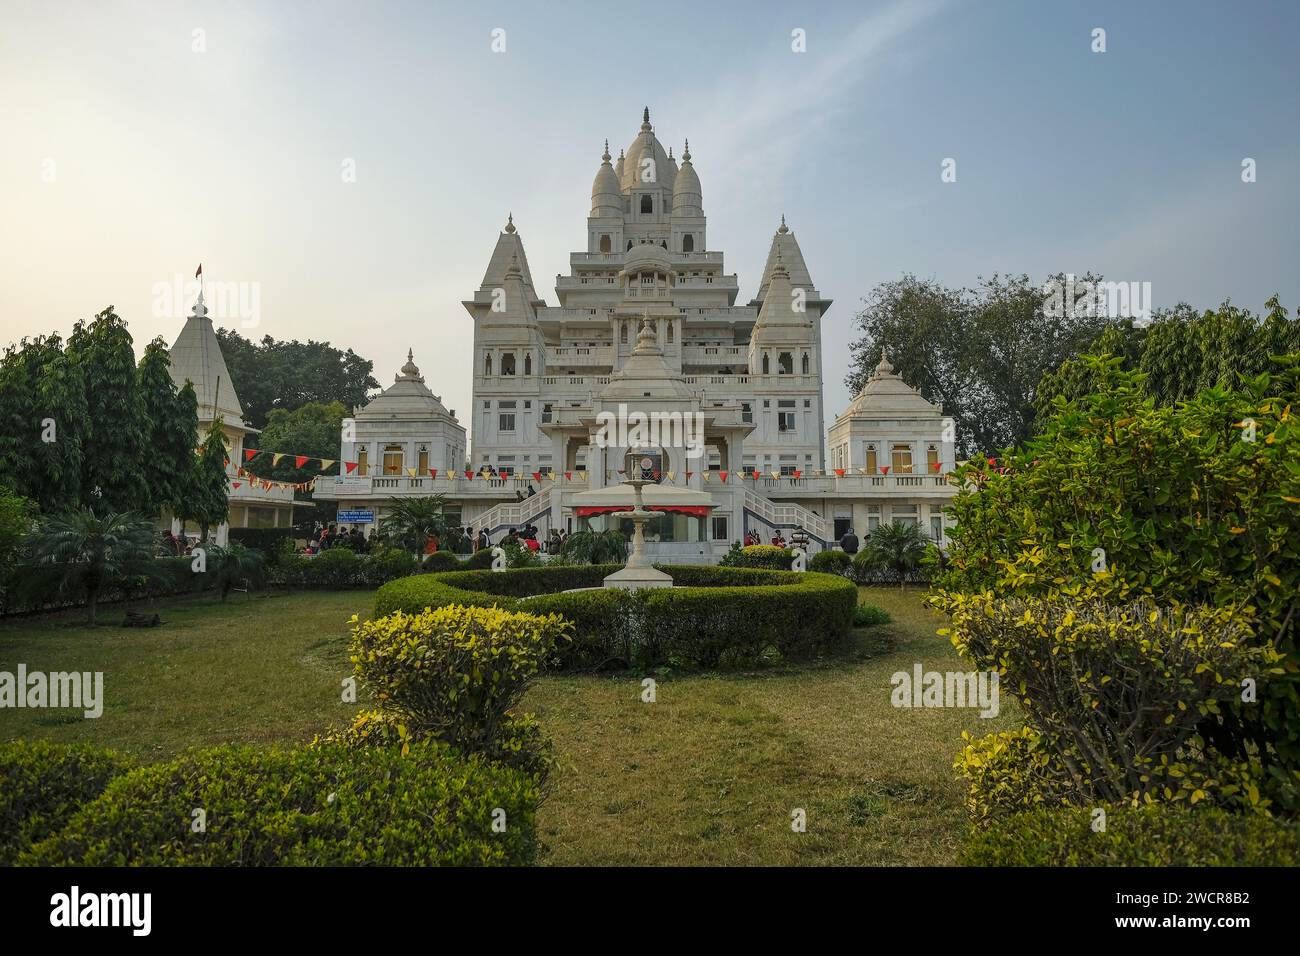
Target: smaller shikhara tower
[{"x": 647, "y": 261}]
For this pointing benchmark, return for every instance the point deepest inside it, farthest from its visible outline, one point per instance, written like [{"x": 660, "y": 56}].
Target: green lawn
[{"x": 709, "y": 773}]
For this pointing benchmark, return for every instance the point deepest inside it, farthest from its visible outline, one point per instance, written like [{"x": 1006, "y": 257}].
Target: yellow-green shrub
[
  {"x": 453, "y": 674},
  {"x": 326, "y": 805},
  {"x": 1117, "y": 699}
]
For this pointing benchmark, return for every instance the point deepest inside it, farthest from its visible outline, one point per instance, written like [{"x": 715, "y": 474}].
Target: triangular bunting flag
[
  {"x": 469, "y": 475},
  {"x": 300, "y": 460},
  {"x": 326, "y": 462},
  {"x": 884, "y": 469},
  {"x": 839, "y": 472},
  {"x": 248, "y": 453},
  {"x": 797, "y": 474},
  {"x": 936, "y": 465},
  {"x": 568, "y": 475},
  {"x": 672, "y": 476},
  {"x": 275, "y": 458},
  {"x": 351, "y": 466},
  {"x": 537, "y": 476},
  {"x": 688, "y": 475},
  {"x": 755, "y": 475},
  {"x": 706, "y": 476},
  {"x": 721, "y": 474},
  {"x": 410, "y": 473},
  {"x": 776, "y": 474},
  {"x": 235, "y": 484},
  {"x": 433, "y": 473}
]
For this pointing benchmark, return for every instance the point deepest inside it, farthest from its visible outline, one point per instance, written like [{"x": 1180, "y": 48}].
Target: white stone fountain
[{"x": 638, "y": 572}]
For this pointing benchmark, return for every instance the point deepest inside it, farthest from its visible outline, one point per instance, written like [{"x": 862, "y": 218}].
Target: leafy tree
[
  {"x": 980, "y": 353},
  {"x": 287, "y": 375},
  {"x": 897, "y": 547},
  {"x": 311, "y": 430},
  {"x": 1182, "y": 352},
  {"x": 172, "y": 422},
  {"x": 409, "y": 523},
  {"x": 206, "y": 500},
  {"x": 1121, "y": 499},
  {"x": 95, "y": 552},
  {"x": 16, "y": 518},
  {"x": 112, "y": 473},
  {"x": 43, "y": 414}
]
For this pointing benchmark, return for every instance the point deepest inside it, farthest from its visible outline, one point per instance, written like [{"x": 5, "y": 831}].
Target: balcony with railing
[
  {"x": 715, "y": 354},
  {"x": 579, "y": 356}
]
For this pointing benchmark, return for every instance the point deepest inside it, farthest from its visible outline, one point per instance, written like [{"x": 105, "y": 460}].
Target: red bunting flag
[
  {"x": 351, "y": 466},
  {"x": 537, "y": 476},
  {"x": 433, "y": 472},
  {"x": 722, "y": 475},
  {"x": 249, "y": 453},
  {"x": 884, "y": 469},
  {"x": 798, "y": 474},
  {"x": 469, "y": 475},
  {"x": 654, "y": 475},
  {"x": 755, "y": 474},
  {"x": 235, "y": 484},
  {"x": 688, "y": 475},
  {"x": 568, "y": 475},
  {"x": 300, "y": 460},
  {"x": 839, "y": 472},
  {"x": 937, "y": 465}
]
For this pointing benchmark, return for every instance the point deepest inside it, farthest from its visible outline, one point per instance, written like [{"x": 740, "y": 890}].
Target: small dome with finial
[
  {"x": 409, "y": 370},
  {"x": 513, "y": 269},
  {"x": 884, "y": 367},
  {"x": 783, "y": 228},
  {"x": 510, "y": 223}
]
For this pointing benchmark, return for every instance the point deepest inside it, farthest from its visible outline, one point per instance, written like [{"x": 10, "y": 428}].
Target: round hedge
[{"x": 716, "y": 616}]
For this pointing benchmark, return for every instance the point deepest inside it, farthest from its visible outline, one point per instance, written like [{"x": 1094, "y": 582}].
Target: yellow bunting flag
[
  {"x": 275, "y": 458},
  {"x": 410, "y": 473}
]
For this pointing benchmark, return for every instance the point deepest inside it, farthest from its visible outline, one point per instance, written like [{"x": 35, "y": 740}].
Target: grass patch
[{"x": 709, "y": 774}]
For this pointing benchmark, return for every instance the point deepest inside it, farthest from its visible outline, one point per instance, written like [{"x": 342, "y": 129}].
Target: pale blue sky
[{"x": 1125, "y": 163}]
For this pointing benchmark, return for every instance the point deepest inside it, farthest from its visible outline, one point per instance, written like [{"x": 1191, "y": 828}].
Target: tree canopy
[
  {"x": 273, "y": 374},
  {"x": 980, "y": 352}
]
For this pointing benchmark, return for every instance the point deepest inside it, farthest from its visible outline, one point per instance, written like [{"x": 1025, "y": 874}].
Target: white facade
[{"x": 647, "y": 320}]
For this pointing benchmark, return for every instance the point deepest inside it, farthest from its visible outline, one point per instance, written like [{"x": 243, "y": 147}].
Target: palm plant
[
  {"x": 409, "y": 523},
  {"x": 596, "y": 547},
  {"x": 897, "y": 547},
  {"x": 235, "y": 564},
  {"x": 94, "y": 551}
]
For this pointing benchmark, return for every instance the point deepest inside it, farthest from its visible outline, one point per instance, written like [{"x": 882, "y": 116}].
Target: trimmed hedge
[
  {"x": 441, "y": 561},
  {"x": 328, "y": 805},
  {"x": 343, "y": 568},
  {"x": 714, "y": 617},
  {"x": 42, "y": 785},
  {"x": 33, "y": 588},
  {"x": 1148, "y": 836},
  {"x": 831, "y": 562}
]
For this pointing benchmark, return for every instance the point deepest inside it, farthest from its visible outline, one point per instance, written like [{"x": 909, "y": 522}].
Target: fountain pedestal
[{"x": 638, "y": 572}]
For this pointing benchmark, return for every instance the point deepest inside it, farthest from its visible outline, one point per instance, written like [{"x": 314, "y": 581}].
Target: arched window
[
  {"x": 688, "y": 243},
  {"x": 508, "y": 363},
  {"x": 629, "y": 245},
  {"x": 766, "y": 366},
  {"x": 647, "y": 203},
  {"x": 622, "y": 332},
  {"x": 670, "y": 330},
  {"x": 422, "y": 461},
  {"x": 528, "y": 363},
  {"x": 805, "y": 363},
  {"x": 784, "y": 363},
  {"x": 604, "y": 243},
  {"x": 363, "y": 461},
  {"x": 487, "y": 363}
]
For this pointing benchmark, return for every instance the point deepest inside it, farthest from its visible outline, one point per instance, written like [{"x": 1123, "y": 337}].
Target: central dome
[
  {"x": 646, "y": 163},
  {"x": 647, "y": 257}
]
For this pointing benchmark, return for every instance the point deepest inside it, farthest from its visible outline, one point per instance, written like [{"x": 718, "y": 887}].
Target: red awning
[{"x": 587, "y": 511}]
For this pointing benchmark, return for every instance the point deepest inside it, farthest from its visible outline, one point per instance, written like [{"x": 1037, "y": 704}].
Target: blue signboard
[{"x": 356, "y": 516}]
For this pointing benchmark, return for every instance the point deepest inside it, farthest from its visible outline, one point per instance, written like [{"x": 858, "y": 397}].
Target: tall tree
[
  {"x": 42, "y": 416},
  {"x": 111, "y": 469},
  {"x": 206, "y": 501},
  {"x": 274, "y": 374},
  {"x": 1182, "y": 352},
  {"x": 172, "y": 423},
  {"x": 979, "y": 352},
  {"x": 313, "y": 430}
]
